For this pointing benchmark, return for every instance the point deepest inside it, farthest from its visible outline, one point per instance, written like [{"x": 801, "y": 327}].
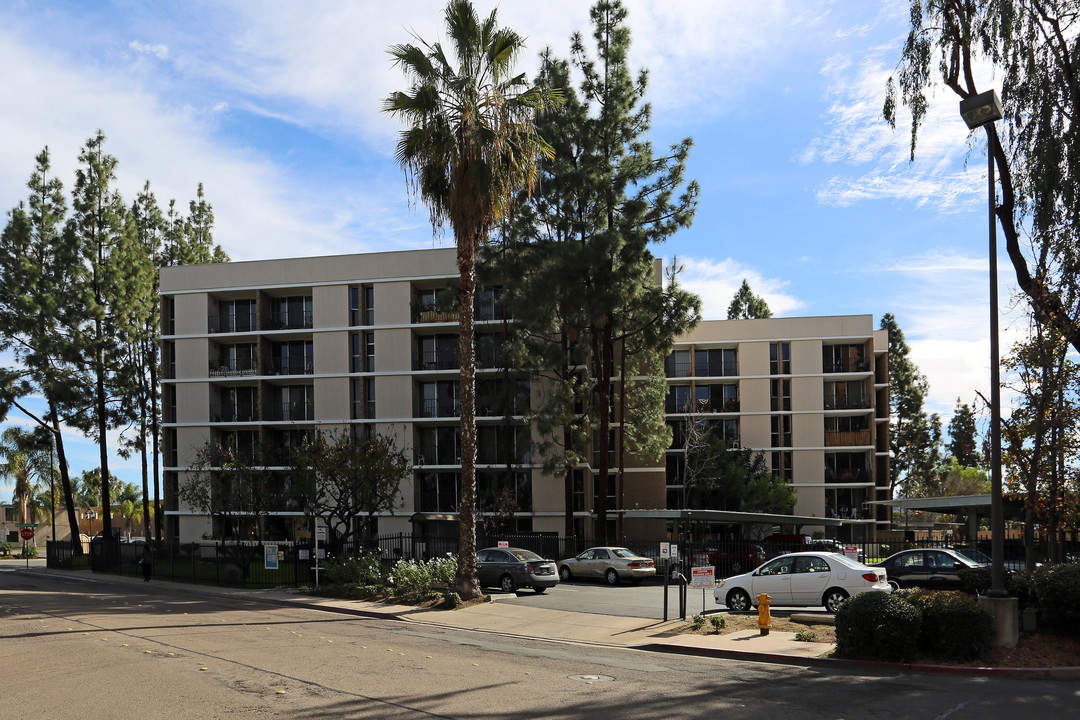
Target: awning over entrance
[{"x": 959, "y": 503}]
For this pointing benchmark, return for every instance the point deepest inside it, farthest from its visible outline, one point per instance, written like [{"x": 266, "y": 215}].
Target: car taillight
[
  {"x": 633, "y": 564},
  {"x": 870, "y": 577}
]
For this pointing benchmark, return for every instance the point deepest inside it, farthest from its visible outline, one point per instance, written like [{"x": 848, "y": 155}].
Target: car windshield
[
  {"x": 623, "y": 553},
  {"x": 525, "y": 555}
]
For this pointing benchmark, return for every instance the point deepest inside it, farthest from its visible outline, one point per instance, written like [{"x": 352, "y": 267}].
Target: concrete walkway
[{"x": 563, "y": 626}]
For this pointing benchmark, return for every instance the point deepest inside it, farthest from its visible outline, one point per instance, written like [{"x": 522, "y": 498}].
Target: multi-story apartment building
[{"x": 258, "y": 355}]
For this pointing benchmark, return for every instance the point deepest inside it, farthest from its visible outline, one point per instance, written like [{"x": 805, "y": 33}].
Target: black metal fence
[{"x": 257, "y": 565}]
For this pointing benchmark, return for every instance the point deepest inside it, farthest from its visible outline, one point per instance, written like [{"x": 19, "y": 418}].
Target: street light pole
[{"x": 983, "y": 110}]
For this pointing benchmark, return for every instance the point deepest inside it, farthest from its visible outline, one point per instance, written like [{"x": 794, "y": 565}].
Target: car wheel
[
  {"x": 894, "y": 584},
  {"x": 833, "y": 598},
  {"x": 539, "y": 590},
  {"x": 565, "y": 575},
  {"x": 736, "y": 568},
  {"x": 738, "y": 600},
  {"x": 611, "y": 576},
  {"x": 507, "y": 584}
]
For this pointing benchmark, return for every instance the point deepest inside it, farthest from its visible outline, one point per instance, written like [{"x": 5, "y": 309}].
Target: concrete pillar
[{"x": 1006, "y": 614}]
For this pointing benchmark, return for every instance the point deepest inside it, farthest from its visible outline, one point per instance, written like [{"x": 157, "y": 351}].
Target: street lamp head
[{"x": 981, "y": 109}]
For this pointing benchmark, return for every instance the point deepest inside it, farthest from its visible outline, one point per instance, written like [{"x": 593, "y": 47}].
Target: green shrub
[
  {"x": 877, "y": 626},
  {"x": 420, "y": 579},
  {"x": 451, "y": 599},
  {"x": 696, "y": 622},
  {"x": 954, "y": 627},
  {"x": 976, "y": 580},
  {"x": 1057, "y": 589},
  {"x": 5, "y": 548},
  {"x": 718, "y": 622},
  {"x": 364, "y": 570},
  {"x": 805, "y": 636}
]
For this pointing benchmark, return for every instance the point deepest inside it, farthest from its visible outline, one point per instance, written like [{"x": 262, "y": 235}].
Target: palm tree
[
  {"x": 22, "y": 460},
  {"x": 471, "y": 147}
]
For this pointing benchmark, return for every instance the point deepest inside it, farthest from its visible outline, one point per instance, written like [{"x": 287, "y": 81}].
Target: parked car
[
  {"x": 829, "y": 545},
  {"x": 933, "y": 568},
  {"x": 736, "y": 558},
  {"x": 775, "y": 545},
  {"x": 611, "y": 563},
  {"x": 976, "y": 556},
  {"x": 512, "y": 568},
  {"x": 805, "y": 579}
]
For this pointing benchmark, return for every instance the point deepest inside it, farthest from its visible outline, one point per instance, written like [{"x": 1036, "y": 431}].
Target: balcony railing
[
  {"x": 438, "y": 408},
  {"x": 292, "y": 411},
  {"x": 436, "y": 456},
  {"x": 846, "y": 366},
  {"x": 240, "y": 322},
  {"x": 289, "y": 321},
  {"x": 840, "y": 438},
  {"x": 846, "y": 403},
  {"x": 435, "y": 316},
  {"x": 290, "y": 367},
  {"x": 232, "y": 368},
  {"x": 436, "y": 361},
  {"x": 229, "y": 413}
]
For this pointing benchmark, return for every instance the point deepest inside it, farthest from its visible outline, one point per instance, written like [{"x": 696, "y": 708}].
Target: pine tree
[
  {"x": 746, "y": 305},
  {"x": 914, "y": 436},
  {"x": 586, "y": 295},
  {"x": 963, "y": 436},
  {"x": 39, "y": 308}
]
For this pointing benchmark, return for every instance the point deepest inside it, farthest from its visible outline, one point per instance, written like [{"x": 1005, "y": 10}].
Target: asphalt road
[
  {"x": 95, "y": 649},
  {"x": 643, "y": 601}
]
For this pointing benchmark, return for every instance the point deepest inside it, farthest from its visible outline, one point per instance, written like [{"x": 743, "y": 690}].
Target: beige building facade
[{"x": 259, "y": 355}]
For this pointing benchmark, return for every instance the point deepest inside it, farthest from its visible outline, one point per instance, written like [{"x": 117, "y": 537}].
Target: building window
[
  {"x": 292, "y": 358},
  {"x": 234, "y": 316},
  {"x": 369, "y": 351},
  {"x": 780, "y": 395},
  {"x": 290, "y": 313},
  {"x": 439, "y": 399},
  {"x": 715, "y": 363},
  {"x": 168, "y": 350},
  {"x": 439, "y": 445},
  {"x": 439, "y": 492},
  {"x": 780, "y": 358},
  {"x": 369, "y": 305},
  {"x": 579, "y": 490},
  {"x": 355, "y": 358},
  {"x": 169, "y": 313},
  {"x": 781, "y": 431},
  {"x": 354, "y": 306},
  {"x": 677, "y": 364},
  {"x": 844, "y": 358},
  {"x": 369, "y": 397},
  {"x": 781, "y": 464},
  {"x": 679, "y": 399}
]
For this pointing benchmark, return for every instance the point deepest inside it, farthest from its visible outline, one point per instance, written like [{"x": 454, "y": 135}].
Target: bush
[
  {"x": 877, "y": 626},
  {"x": 1057, "y": 589},
  {"x": 696, "y": 622},
  {"x": 806, "y": 636},
  {"x": 364, "y": 570},
  {"x": 718, "y": 622},
  {"x": 954, "y": 627},
  {"x": 419, "y": 579},
  {"x": 5, "y": 548}
]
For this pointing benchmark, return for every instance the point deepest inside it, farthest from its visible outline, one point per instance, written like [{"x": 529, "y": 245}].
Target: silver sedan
[{"x": 611, "y": 563}]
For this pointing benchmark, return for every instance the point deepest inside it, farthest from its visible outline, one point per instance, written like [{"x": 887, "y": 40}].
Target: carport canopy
[{"x": 732, "y": 517}]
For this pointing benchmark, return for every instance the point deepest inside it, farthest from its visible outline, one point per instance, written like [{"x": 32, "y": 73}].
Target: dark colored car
[
  {"x": 736, "y": 558},
  {"x": 510, "y": 568},
  {"x": 933, "y": 568}
]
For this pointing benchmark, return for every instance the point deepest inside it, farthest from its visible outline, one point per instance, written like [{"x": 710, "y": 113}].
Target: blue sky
[{"x": 806, "y": 191}]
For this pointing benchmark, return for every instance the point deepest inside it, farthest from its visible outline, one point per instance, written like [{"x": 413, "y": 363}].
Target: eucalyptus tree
[
  {"x": 586, "y": 293},
  {"x": 746, "y": 305},
  {"x": 1031, "y": 46},
  {"x": 41, "y": 303},
  {"x": 470, "y": 146}
]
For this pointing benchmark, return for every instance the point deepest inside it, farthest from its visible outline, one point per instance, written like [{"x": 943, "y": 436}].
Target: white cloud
[
  {"x": 717, "y": 281},
  {"x": 161, "y": 52}
]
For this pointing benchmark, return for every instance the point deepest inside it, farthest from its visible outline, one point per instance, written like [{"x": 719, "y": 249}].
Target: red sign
[{"x": 27, "y": 533}]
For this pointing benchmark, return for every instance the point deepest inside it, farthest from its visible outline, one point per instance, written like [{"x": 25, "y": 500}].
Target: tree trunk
[
  {"x": 65, "y": 480},
  {"x": 467, "y": 584},
  {"x": 155, "y": 435}
]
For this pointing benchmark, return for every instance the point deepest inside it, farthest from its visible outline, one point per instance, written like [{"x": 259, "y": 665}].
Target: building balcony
[
  {"x": 434, "y": 361},
  {"x": 243, "y": 322},
  {"x": 847, "y": 403},
  {"x": 289, "y": 367},
  {"x": 228, "y": 413},
  {"x": 438, "y": 408},
  {"x": 292, "y": 411},
  {"x": 233, "y": 368},
  {"x": 436, "y": 456},
  {"x": 840, "y": 438},
  {"x": 435, "y": 316},
  {"x": 846, "y": 366},
  {"x": 289, "y": 321}
]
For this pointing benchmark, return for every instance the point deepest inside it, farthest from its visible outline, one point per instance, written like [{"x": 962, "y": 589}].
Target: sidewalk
[{"x": 575, "y": 627}]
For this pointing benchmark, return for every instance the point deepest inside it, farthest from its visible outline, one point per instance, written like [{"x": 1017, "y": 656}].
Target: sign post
[
  {"x": 270, "y": 557},
  {"x": 704, "y": 578}
]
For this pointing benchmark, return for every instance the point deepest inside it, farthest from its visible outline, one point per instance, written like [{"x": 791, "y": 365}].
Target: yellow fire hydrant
[{"x": 764, "y": 622}]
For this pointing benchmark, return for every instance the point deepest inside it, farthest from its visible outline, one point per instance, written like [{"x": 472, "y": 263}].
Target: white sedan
[{"x": 803, "y": 578}]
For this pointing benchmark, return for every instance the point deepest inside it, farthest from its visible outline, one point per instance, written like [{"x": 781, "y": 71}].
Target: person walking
[{"x": 147, "y": 562}]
